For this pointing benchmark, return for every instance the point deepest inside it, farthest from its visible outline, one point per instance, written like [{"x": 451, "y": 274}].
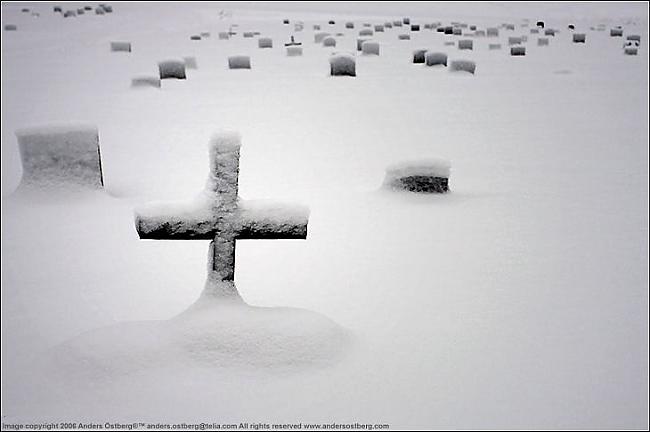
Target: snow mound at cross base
[{"x": 213, "y": 334}]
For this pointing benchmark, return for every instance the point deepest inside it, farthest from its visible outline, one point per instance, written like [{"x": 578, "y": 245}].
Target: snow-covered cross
[{"x": 218, "y": 214}]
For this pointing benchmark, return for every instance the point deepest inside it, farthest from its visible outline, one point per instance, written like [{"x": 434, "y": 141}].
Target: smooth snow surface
[{"x": 517, "y": 300}]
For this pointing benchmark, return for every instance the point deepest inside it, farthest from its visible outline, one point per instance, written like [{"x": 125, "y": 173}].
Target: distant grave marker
[
  {"x": 294, "y": 51},
  {"x": 462, "y": 66},
  {"x": 329, "y": 42},
  {"x": 11, "y": 27},
  {"x": 239, "y": 62},
  {"x": 172, "y": 69},
  {"x": 349, "y": 25},
  {"x": 616, "y": 32},
  {"x": 542, "y": 41},
  {"x": 318, "y": 37},
  {"x": 149, "y": 81},
  {"x": 265, "y": 42},
  {"x": 370, "y": 48},
  {"x": 342, "y": 65},
  {"x": 579, "y": 38},
  {"x": 435, "y": 59},
  {"x": 190, "y": 63},
  {"x": 121, "y": 46},
  {"x": 418, "y": 55},
  {"x": 518, "y": 51},
  {"x": 466, "y": 44},
  {"x": 404, "y": 36}
]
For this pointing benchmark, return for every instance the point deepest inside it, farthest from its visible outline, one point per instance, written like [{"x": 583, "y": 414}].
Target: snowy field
[{"x": 519, "y": 299}]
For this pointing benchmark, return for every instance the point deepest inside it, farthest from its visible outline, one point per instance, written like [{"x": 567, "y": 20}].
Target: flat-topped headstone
[
  {"x": 239, "y": 62},
  {"x": 11, "y": 27},
  {"x": 435, "y": 59},
  {"x": 542, "y": 41},
  {"x": 492, "y": 32},
  {"x": 426, "y": 176},
  {"x": 265, "y": 42},
  {"x": 145, "y": 81},
  {"x": 99, "y": 11},
  {"x": 195, "y": 37},
  {"x": 462, "y": 66},
  {"x": 294, "y": 51},
  {"x": 221, "y": 216},
  {"x": 190, "y": 62},
  {"x": 630, "y": 51},
  {"x": 466, "y": 44},
  {"x": 418, "y": 55},
  {"x": 634, "y": 37},
  {"x": 69, "y": 14},
  {"x": 514, "y": 40},
  {"x": 60, "y": 156},
  {"x": 379, "y": 28},
  {"x": 121, "y": 46},
  {"x": 224, "y": 35},
  {"x": 616, "y": 32},
  {"x": 549, "y": 32},
  {"x": 518, "y": 51},
  {"x": 57, "y": 9},
  {"x": 366, "y": 32},
  {"x": 349, "y": 25},
  {"x": 342, "y": 64},
  {"x": 492, "y": 47},
  {"x": 172, "y": 69},
  {"x": 579, "y": 38}
]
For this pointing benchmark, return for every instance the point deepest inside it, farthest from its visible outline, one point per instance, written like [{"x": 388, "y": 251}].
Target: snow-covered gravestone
[
  {"x": 121, "y": 46},
  {"x": 172, "y": 69},
  {"x": 318, "y": 37},
  {"x": 465, "y": 44},
  {"x": 463, "y": 66},
  {"x": 265, "y": 42},
  {"x": 239, "y": 62},
  {"x": 219, "y": 215},
  {"x": 342, "y": 65},
  {"x": 579, "y": 38},
  {"x": 370, "y": 48},
  {"x": 145, "y": 81},
  {"x": 294, "y": 51},
  {"x": 435, "y": 59},
  {"x": 60, "y": 157},
  {"x": 425, "y": 176},
  {"x": 190, "y": 62},
  {"x": 518, "y": 51},
  {"x": 418, "y": 55},
  {"x": 329, "y": 42}
]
